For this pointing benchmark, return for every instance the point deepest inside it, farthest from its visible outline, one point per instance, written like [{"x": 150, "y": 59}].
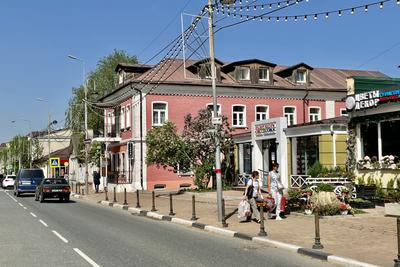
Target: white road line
[
  {"x": 89, "y": 260},
  {"x": 60, "y": 236},
  {"x": 20, "y": 204},
  {"x": 25, "y": 208},
  {"x": 33, "y": 214},
  {"x": 42, "y": 222},
  {"x": 14, "y": 199}
]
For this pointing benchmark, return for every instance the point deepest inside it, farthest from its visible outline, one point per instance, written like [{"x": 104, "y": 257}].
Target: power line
[{"x": 379, "y": 55}]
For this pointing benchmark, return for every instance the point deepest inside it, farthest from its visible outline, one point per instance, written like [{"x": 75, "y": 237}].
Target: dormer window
[
  {"x": 301, "y": 76},
  {"x": 121, "y": 76},
  {"x": 207, "y": 71},
  {"x": 244, "y": 73},
  {"x": 263, "y": 74}
]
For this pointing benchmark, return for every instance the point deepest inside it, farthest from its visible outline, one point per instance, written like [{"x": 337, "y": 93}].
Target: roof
[
  {"x": 336, "y": 120},
  {"x": 285, "y": 72},
  {"x": 230, "y": 66},
  {"x": 133, "y": 67}
]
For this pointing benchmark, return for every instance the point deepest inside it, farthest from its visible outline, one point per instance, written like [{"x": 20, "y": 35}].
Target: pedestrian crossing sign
[{"x": 54, "y": 162}]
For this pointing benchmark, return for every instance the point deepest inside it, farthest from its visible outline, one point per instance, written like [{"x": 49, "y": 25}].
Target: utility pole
[
  {"x": 48, "y": 143},
  {"x": 215, "y": 108},
  {"x": 86, "y": 130}
]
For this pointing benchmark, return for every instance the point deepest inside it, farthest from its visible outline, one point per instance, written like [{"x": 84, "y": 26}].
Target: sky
[{"x": 37, "y": 36}]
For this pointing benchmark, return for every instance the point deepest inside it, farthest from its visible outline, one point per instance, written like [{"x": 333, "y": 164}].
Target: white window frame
[
  {"x": 109, "y": 122},
  {"x": 309, "y": 114},
  {"x": 249, "y": 73},
  {"x": 128, "y": 116},
  {"x": 256, "y": 113},
  {"x": 122, "y": 118},
  {"x": 268, "y": 74},
  {"x": 305, "y": 76},
  {"x": 244, "y": 116},
  {"x": 152, "y": 111},
  {"x": 219, "y": 109},
  {"x": 294, "y": 115},
  {"x": 343, "y": 109}
]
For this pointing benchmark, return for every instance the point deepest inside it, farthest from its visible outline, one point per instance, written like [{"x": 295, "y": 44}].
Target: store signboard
[
  {"x": 265, "y": 129},
  {"x": 268, "y": 129},
  {"x": 371, "y": 99}
]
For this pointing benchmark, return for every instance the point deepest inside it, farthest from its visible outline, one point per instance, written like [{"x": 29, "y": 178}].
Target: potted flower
[{"x": 344, "y": 208}]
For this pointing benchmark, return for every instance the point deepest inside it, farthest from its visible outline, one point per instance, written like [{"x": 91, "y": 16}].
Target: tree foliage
[
  {"x": 194, "y": 148},
  {"x": 95, "y": 154},
  {"x": 100, "y": 82}
]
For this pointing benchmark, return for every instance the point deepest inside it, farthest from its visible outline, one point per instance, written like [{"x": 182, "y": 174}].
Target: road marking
[
  {"x": 33, "y": 214},
  {"x": 14, "y": 199},
  {"x": 60, "y": 236},
  {"x": 20, "y": 204},
  {"x": 89, "y": 260},
  {"x": 42, "y": 222},
  {"x": 25, "y": 208}
]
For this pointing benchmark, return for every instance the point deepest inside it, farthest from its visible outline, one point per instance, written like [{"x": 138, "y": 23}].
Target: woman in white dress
[{"x": 276, "y": 188}]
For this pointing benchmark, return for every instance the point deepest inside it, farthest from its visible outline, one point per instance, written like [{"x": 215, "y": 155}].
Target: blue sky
[{"x": 37, "y": 36}]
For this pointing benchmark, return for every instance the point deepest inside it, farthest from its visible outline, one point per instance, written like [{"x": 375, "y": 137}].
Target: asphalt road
[{"x": 85, "y": 234}]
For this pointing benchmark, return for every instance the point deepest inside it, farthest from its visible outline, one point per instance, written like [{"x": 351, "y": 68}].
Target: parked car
[
  {"x": 8, "y": 181},
  {"x": 27, "y": 180},
  {"x": 53, "y": 188},
  {"x": 2, "y": 177}
]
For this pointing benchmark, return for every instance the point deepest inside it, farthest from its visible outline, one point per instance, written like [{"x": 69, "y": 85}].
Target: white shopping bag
[{"x": 244, "y": 209}]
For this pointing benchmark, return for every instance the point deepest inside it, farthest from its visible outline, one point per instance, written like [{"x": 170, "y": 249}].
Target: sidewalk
[{"x": 369, "y": 237}]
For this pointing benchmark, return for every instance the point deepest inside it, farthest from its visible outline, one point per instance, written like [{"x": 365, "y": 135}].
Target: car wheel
[
  {"x": 15, "y": 193},
  {"x": 41, "y": 198}
]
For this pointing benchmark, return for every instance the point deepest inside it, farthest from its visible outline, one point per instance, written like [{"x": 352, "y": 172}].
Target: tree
[
  {"x": 99, "y": 82},
  {"x": 95, "y": 154},
  {"x": 194, "y": 149}
]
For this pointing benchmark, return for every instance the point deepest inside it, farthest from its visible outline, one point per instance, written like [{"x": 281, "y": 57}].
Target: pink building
[{"x": 248, "y": 91}]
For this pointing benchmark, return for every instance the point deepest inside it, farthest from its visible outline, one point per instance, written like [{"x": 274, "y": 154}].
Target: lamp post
[{"x": 86, "y": 118}]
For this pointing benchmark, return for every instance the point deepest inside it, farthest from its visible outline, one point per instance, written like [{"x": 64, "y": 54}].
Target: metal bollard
[
  {"x": 137, "y": 199},
  {"x": 317, "y": 242},
  {"x": 397, "y": 261},
  {"x": 83, "y": 191},
  {"x": 115, "y": 194},
  {"x": 125, "y": 202},
  {"x": 106, "y": 192},
  {"x": 171, "y": 207},
  {"x": 76, "y": 188},
  {"x": 224, "y": 224},
  {"x": 79, "y": 188},
  {"x": 153, "y": 199},
  {"x": 262, "y": 227},
  {"x": 194, "y": 218}
]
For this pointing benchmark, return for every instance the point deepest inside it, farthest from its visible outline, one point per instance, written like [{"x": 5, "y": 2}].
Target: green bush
[
  {"x": 324, "y": 187},
  {"x": 315, "y": 170},
  {"x": 360, "y": 180}
]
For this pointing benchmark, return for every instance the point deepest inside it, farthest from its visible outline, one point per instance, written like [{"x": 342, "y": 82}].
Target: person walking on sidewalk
[
  {"x": 276, "y": 188},
  {"x": 96, "y": 180},
  {"x": 253, "y": 192}
]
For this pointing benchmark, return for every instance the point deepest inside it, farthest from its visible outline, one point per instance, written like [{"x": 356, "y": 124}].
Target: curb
[{"x": 313, "y": 253}]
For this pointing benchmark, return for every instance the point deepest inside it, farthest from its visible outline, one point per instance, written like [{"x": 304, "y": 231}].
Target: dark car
[
  {"x": 27, "y": 180},
  {"x": 53, "y": 188}
]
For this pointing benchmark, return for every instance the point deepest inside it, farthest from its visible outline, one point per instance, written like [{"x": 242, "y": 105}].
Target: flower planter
[
  {"x": 366, "y": 191},
  {"x": 308, "y": 211},
  {"x": 344, "y": 212}
]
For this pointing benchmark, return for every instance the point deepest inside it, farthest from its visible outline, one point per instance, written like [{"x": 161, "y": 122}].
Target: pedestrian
[
  {"x": 252, "y": 193},
  {"x": 276, "y": 189},
  {"x": 96, "y": 180}
]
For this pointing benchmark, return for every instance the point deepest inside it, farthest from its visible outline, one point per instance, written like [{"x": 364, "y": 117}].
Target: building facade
[{"x": 248, "y": 91}]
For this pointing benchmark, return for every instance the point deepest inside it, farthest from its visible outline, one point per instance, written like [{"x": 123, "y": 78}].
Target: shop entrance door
[{"x": 269, "y": 157}]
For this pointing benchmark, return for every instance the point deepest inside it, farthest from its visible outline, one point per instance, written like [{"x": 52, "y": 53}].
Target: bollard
[
  {"x": 262, "y": 227},
  {"x": 193, "y": 209},
  {"x": 397, "y": 261},
  {"x": 224, "y": 224},
  {"x": 79, "y": 188},
  {"x": 76, "y": 188},
  {"x": 125, "y": 202},
  {"x": 115, "y": 194},
  {"x": 137, "y": 199},
  {"x": 171, "y": 207},
  {"x": 153, "y": 199},
  {"x": 317, "y": 243},
  {"x": 83, "y": 191},
  {"x": 106, "y": 192}
]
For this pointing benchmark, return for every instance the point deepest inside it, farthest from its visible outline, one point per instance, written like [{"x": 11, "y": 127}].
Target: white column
[
  {"x": 240, "y": 158},
  {"x": 359, "y": 145},
  {"x": 257, "y": 155},
  {"x": 379, "y": 141},
  {"x": 294, "y": 155},
  {"x": 334, "y": 149}
]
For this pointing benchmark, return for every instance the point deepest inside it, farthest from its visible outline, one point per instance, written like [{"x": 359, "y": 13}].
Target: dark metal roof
[
  {"x": 288, "y": 71},
  {"x": 336, "y": 120},
  {"x": 140, "y": 68},
  {"x": 230, "y": 66}
]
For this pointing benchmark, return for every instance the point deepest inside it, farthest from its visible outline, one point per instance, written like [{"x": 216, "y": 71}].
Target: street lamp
[
  {"x": 86, "y": 118},
  {"x": 48, "y": 135}
]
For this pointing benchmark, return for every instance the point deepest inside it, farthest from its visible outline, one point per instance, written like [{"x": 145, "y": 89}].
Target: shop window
[
  {"x": 243, "y": 73},
  {"x": 314, "y": 114},
  {"x": 210, "y": 107},
  {"x": 160, "y": 115},
  {"x": 369, "y": 140},
  {"x": 343, "y": 112},
  {"x": 263, "y": 74},
  {"x": 262, "y": 113},
  {"x": 128, "y": 117},
  {"x": 238, "y": 116},
  {"x": 307, "y": 153},
  {"x": 290, "y": 114},
  {"x": 390, "y": 138}
]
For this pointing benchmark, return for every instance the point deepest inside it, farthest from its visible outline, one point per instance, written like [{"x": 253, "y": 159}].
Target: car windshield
[
  {"x": 25, "y": 174},
  {"x": 55, "y": 181}
]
